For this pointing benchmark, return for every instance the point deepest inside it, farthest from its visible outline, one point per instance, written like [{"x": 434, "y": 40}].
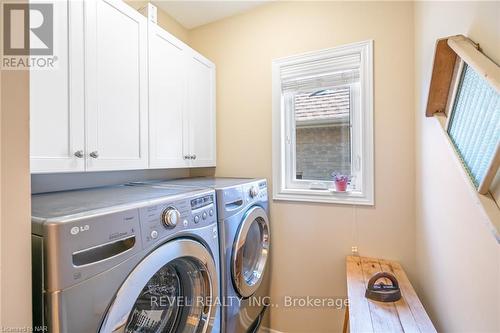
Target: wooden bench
[{"x": 365, "y": 315}]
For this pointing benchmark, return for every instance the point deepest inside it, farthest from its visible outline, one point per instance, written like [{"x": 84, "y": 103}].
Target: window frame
[
  {"x": 355, "y": 145},
  {"x": 482, "y": 186},
  {"x": 451, "y": 55},
  {"x": 362, "y": 140}
]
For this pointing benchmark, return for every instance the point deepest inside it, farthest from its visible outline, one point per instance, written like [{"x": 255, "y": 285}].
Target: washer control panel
[
  {"x": 166, "y": 219},
  {"x": 256, "y": 191},
  {"x": 203, "y": 209}
]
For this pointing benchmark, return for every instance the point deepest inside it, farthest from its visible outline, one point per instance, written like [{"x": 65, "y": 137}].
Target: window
[
  {"x": 464, "y": 94},
  {"x": 323, "y": 125},
  {"x": 474, "y": 126}
]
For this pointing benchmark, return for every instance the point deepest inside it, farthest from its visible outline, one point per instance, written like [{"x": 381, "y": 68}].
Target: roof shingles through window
[{"x": 331, "y": 106}]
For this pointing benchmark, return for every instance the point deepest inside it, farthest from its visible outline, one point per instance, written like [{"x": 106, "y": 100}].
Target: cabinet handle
[
  {"x": 186, "y": 157},
  {"x": 94, "y": 154},
  {"x": 193, "y": 156},
  {"x": 79, "y": 153}
]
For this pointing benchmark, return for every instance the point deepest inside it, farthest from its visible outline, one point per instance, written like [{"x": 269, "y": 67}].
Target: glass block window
[{"x": 474, "y": 126}]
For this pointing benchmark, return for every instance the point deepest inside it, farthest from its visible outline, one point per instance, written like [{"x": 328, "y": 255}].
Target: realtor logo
[
  {"x": 28, "y": 29},
  {"x": 28, "y": 36}
]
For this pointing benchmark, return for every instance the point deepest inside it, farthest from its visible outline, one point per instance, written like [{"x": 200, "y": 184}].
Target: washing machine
[
  {"x": 244, "y": 231},
  {"x": 126, "y": 259}
]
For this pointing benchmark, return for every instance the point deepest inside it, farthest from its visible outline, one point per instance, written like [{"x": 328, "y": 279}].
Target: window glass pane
[
  {"x": 475, "y": 124},
  {"x": 322, "y": 133}
]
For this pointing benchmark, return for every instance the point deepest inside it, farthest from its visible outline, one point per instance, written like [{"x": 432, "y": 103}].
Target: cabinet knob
[
  {"x": 193, "y": 156},
  {"x": 79, "y": 153},
  {"x": 94, "y": 154}
]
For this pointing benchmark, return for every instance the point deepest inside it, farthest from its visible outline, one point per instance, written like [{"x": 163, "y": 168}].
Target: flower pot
[{"x": 341, "y": 185}]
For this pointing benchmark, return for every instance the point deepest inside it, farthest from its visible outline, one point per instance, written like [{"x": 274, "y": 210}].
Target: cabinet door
[
  {"x": 167, "y": 99},
  {"x": 56, "y": 97},
  {"x": 201, "y": 100},
  {"x": 116, "y": 86}
]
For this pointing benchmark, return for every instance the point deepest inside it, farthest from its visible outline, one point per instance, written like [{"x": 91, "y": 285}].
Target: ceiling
[{"x": 192, "y": 14}]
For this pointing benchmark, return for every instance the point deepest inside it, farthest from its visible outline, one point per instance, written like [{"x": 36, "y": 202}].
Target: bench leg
[{"x": 346, "y": 320}]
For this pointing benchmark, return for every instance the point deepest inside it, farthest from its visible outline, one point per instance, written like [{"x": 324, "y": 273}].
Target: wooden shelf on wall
[
  {"x": 446, "y": 55},
  {"x": 442, "y": 74}
]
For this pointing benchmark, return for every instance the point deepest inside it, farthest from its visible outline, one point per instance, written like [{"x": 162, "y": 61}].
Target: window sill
[
  {"x": 485, "y": 201},
  {"x": 324, "y": 196}
]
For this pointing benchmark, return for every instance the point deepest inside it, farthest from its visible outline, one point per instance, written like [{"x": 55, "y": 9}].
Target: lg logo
[
  {"x": 28, "y": 29},
  {"x": 76, "y": 230}
]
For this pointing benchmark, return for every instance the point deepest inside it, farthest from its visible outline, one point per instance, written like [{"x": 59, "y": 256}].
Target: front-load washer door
[
  {"x": 171, "y": 290},
  {"x": 250, "y": 251}
]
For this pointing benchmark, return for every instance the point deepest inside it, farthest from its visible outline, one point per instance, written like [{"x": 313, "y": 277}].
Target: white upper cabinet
[
  {"x": 56, "y": 98},
  {"x": 125, "y": 94},
  {"x": 167, "y": 100},
  {"x": 201, "y": 111},
  {"x": 181, "y": 104},
  {"x": 116, "y": 86}
]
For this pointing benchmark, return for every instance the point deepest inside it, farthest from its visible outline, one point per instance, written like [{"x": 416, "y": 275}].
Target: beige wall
[
  {"x": 15, "y": 210},
  {"x": 458, "y": 259},
  {"x": 15, "y": 242},
  {"x": 310, "y": 241}
]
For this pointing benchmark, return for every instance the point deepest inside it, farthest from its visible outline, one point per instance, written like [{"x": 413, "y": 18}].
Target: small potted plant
[{"x": 341, "y": 181}]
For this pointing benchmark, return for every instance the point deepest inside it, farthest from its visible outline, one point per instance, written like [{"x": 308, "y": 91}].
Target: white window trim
[{"x": 280, "y": 121}]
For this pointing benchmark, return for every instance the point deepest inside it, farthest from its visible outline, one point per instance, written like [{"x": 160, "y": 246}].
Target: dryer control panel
[
  {"x": 166, "y": 219},
  {"x": 232, "y": 200}
]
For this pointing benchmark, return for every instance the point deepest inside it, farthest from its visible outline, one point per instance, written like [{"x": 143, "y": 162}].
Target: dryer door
[
  {"x": 171, "y": 290},
  {"x": 250, "y": 251}
]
